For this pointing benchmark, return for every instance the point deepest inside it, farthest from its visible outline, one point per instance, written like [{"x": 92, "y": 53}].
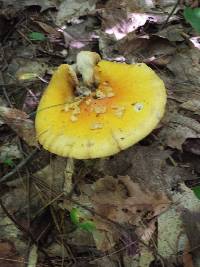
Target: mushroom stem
[
  {"x": 86, "y": 62},
  {"x": 69, "y": 170}
]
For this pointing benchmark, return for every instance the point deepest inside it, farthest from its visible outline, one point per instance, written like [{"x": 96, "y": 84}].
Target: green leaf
[
  {"x": 75, "y": 216},
  {"x": 87, "y": 225},
  {"x": 196, "y": 191},
  {"x": 8, "y": 162},
  {"x": 36, "y": 36},
  {"x": 192, "y": 15}
]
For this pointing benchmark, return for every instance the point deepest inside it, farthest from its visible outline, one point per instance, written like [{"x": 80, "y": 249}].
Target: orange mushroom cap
[{"x": 126, "y": 106}]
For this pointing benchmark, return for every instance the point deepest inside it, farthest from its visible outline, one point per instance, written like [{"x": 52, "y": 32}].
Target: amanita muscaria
[{"x": 120, "y": 105}]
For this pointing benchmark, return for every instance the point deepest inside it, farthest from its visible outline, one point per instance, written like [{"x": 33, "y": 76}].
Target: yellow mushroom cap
[{"x": 127, "y": 105}]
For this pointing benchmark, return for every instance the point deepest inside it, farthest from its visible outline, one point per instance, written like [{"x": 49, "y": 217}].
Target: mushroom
[{"x": 126, "y": 105}]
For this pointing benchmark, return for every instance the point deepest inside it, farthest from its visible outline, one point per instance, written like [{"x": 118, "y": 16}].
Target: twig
[
  {"x": 170, "y": 14},
  {"x": 5, "y": 92},
  {"x": 24, "y": 36},
  {"x": 19, "y": 166}
]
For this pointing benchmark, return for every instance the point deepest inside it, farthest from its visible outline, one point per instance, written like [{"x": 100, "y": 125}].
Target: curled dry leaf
[{"x": 19, "y": 122}]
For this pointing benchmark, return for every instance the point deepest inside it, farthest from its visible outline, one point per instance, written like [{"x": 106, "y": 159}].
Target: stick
[{"x": 19, "y": 166}]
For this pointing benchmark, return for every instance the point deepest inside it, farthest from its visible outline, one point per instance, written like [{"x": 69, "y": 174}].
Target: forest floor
[{"x": 138, "y": 208}]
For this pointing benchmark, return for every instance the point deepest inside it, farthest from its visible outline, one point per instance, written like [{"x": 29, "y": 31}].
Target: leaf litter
[{"x": 137, "y": 199}]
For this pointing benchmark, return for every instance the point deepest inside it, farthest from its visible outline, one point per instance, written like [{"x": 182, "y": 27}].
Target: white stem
[{"x": 86, "y": 62}]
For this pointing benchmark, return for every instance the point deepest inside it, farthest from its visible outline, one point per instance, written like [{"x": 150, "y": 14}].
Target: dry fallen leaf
[
  {"x": 179, "y": 129},
  {"x": 185, "y": 78},
  {"x": 172, "y": 237},
  {"x": 71, "y": 9},
  {"x": 43, "y": 4},
  {"x": 193, "y": 146},
  {"x": 147, "y": 231},
  {"x": 174, "y": 33},
  {"x": 125, "y": 201},
  {"x": 49, "y": 29},
  {"x": 2, "y": 104},
  {"x": 122, "y": 201},
  {"x": 19, "y": 122},
  {"x": 53, "y": 174},
  {"x": 187, "y": 257},
  {"x": 154, "y": 50},
  {"x": 8, "y": 255},
  {"x": 193, "y": 105},
  {"x": 31, "y": 70},
  {"x": 9, "y": 151},
  {"x": 147, "y": 164}
]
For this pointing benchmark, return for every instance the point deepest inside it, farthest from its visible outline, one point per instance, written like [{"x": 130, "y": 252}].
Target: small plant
[
  {"x": 196, "y": 191},
  {"x": 192, "y": 16},
  {"x": 36, "y": 36},
  {"x": 9, "y": 162},
  {"x": 79, "y": 218}
]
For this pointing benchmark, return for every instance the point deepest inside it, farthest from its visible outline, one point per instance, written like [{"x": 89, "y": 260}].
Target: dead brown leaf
[
  {"x": 49, "y": 29},
  {"x": 192, "y": 145},
  {"x": 179, "y": 224},
  {"x": 187, "y": 257},
  {"x": 193, "y": 105},
  {"x": 142, "y": 198},
  {"x": 173, "y": 33},
  {"x": 44, "y": 4},
  {"x": 108, "y": 198},
  {"x": 11, "y": 244},
  {"x": 134, "y": 6},
  {"x": 8, "y": 255},
  {"x": 105, "y": 238},
  {"x": 147, "y": 231},
  {"x": 147, "y": 164},
  {"x": 71, "y": 9},
  {"x": 184, "y": 76},
  {"x": 192, "y": 227},
  {"x": 154, "y": 50},
  {"x": 178, "y": 130},
  {"x": 53, "y": 174},
  {"x": 123, "y": 200},
  {"x": 9, "y": 151},
  {"x": 19, "y": 122}
]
